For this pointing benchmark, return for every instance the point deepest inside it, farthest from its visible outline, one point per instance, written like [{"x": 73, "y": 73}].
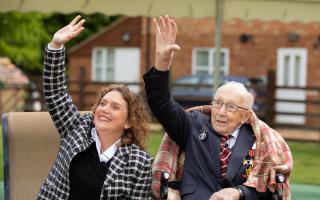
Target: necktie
[{"x": 224, "y": 156}]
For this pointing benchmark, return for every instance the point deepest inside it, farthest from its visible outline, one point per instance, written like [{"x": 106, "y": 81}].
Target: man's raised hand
[
  {"x": 68, "y": 32},
  {"x": 166, "y": 31}
]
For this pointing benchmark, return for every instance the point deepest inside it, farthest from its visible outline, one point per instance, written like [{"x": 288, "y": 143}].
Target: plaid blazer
[{"x": 129, "y": 174}]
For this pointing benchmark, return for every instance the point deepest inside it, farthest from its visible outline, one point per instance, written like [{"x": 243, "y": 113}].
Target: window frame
[
  {"x": 104, "y": 64},
  {"x": 210, "y": 67}
]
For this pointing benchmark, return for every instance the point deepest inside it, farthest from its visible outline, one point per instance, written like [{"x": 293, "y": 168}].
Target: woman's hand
[
  {"x": 68, "y": 32},
  {"x": 166, "y": 31}
]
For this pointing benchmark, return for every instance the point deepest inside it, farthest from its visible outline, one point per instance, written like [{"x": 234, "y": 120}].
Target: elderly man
[{"x": 219, "y": 149}]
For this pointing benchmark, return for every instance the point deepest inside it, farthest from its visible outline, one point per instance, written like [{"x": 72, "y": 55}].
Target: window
[
  {"x": 103, "y": 62},
  {"x": 292, "y": 67},
  {"x": 292, "y": 72},
  {"x": 203, "y": 61},
  {"x": 110, "y": 65}
]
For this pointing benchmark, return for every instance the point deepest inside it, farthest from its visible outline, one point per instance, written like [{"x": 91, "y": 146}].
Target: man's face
[{"x": 223, "y": 121}]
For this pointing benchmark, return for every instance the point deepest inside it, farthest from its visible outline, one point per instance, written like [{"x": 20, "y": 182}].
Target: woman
[{"x": 101, "y": 155}]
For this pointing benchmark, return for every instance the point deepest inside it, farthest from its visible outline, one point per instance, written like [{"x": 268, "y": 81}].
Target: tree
[
  {"x": 21, "y": 38},
  {"x": 24, "y": 35},
  {"x": 94, "y": 22}
]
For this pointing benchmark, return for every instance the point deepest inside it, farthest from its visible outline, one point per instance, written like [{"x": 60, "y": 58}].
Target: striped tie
[{"x": 224, "y": 155}]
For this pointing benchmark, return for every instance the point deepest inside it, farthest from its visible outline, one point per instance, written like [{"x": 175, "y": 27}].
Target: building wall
[
  {"x": 255, "y": 57},
  {"x": 12, "y": 99},
  {"x": 81, "y": 57},
  {"x": 109, "y": 37},
  {"x": 251, "y": 59}
]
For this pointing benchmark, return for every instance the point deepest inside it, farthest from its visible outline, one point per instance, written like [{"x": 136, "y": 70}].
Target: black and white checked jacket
[{"x": 129, "y": 175}]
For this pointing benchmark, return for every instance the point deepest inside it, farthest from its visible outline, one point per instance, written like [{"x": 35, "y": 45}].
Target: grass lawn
[
  {"x": 305, "y": 156},
  {"x": 306, "y": 163},
  {"x": 154, "y": 142}
]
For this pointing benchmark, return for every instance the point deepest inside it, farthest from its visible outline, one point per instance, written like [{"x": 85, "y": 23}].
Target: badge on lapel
[{"x": 203, "y": 134}]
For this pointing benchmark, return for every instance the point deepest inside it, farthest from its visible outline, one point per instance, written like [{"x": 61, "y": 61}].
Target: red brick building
[
  {"x": 12, "y": 90},
  {"x": 124, "y": 50}
]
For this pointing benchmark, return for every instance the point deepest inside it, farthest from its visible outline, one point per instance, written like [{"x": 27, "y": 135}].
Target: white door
[
  {"x": 127, "y": 66},
  {"x": 292, "y": 72}
]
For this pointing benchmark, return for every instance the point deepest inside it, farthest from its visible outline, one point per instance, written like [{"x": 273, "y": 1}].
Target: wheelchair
[
  {"x": 165, "y": 184},
  {"x": 165, "y": 162}
]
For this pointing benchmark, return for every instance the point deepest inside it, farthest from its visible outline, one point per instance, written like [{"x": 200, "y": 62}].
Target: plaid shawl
[{"x": 272, "y": 154}]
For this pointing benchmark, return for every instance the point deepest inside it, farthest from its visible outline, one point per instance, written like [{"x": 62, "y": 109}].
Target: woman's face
[{"x": 111, "y": 115}]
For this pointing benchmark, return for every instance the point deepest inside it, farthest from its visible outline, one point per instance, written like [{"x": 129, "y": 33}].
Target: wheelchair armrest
[
  {"x": 280, "y": 178},
  {"x": 174, "y": 185},
  {"x": 277, "y": 195},
  {"x": 164, "y": 185}
]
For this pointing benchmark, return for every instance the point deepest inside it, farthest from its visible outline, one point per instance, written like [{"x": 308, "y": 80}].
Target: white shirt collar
[
  {"x": 233, "y": 138},
  {"x": 235, "y": 133},
  {"x": 107, "y": 154}
]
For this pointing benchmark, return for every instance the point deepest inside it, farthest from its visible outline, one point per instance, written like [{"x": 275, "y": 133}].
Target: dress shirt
[
  {"x": 107, "y": 154},
  {"x": 232, "y": 138}
]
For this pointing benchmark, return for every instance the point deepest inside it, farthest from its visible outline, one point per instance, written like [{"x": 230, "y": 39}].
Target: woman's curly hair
[{"x": 138, "y": 116}]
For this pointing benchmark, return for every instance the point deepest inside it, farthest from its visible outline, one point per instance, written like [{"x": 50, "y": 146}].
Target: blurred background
[{"x": 273, "y": 47}]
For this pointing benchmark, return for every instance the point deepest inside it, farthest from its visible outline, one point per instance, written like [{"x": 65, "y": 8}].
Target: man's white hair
[{"x": 240, "y": 89}]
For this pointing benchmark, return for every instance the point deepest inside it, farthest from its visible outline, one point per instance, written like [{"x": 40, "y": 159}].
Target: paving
[
  {"x": 305, "y": 192},
  {"x": 300, "y": 134}
]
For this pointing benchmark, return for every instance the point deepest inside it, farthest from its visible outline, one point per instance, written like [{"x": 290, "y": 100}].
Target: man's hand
[
  {"x": 67, "y": 33},
  {"x": 226, "y": 194},
  {"x": 166, "y": 31},
  {"x": 283, "y": 169}
]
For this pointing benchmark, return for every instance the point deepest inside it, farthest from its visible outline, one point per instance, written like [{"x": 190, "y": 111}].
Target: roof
[
  {"x": 98, "y": 34},
  {"x": 10, "y": 74}
]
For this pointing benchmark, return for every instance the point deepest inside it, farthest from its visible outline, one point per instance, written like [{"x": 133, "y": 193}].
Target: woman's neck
[{"x": 107, "y": 140}]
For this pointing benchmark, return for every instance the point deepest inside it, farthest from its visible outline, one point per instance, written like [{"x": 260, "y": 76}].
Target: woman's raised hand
[{"x": 68, "y": 32}]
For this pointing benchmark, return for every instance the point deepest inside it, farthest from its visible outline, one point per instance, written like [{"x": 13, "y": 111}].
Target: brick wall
[
  {"x": 110, "y": 37},
  {"x": 251, "y": 59},
  {"x": 255, "y": 57}
]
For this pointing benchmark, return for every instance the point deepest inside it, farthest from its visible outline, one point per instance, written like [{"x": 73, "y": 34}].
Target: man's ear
[{"x": 246, "y": 117}]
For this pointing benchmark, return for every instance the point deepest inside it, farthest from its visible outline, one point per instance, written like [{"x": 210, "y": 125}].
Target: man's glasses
[{"x": 229, "y": 107}]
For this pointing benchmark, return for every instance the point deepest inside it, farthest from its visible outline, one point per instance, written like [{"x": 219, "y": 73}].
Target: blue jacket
[{"x": 201, "y": 175}]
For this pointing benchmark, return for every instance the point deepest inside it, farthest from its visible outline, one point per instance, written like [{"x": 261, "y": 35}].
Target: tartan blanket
[{"x": 272, "y": 155}]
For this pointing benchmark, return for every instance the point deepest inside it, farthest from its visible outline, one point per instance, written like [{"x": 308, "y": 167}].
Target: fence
[
  {"x": 12, "y": 98},
  {"x": 311, "y": 102},
  {"x": 30, "y": 98}
]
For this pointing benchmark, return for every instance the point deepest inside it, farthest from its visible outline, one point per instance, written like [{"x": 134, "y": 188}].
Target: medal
[
  {"x": 247, "y": 162},
  {"x": 249, "y": 166},
  {"x": 251, "y": 152},
  {"x": 248, "y": 170},
  {"x": 203, "y": 134}
]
